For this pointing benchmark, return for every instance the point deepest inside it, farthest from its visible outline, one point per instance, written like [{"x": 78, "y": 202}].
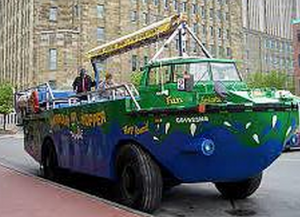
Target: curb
[
  {"x": 8, "y": 136},
  {"x": 57, "y": 185}
]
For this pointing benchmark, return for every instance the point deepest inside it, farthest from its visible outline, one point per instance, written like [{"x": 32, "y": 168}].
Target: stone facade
[
  {"x": 268, "y": 35},
  {"x": 296, "y": 44},
  {"x": 265, "y": 53},
  {"x": 58, "y": 33},
  {"x": 16, "y": 42}
]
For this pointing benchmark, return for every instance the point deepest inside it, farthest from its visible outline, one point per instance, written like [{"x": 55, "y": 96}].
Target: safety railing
[
  {"x": 109, "y": 93},
  {"x": 114, "y": 92}
]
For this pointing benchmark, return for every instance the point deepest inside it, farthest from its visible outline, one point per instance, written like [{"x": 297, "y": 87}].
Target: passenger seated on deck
[
  {"x": 108, "y": 83},
  {"x": 83, "y": 83}
]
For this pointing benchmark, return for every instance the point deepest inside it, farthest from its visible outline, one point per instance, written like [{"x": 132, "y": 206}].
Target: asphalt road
[{"x": 278, "y": 196}]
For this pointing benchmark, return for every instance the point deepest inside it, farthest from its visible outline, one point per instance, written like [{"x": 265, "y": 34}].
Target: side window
[
  {"x": 159, "y": 75},
  {"x": 200, "y": 71}
]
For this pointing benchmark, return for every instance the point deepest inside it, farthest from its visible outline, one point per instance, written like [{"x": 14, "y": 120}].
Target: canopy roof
[{"x": 145, "y": 36}]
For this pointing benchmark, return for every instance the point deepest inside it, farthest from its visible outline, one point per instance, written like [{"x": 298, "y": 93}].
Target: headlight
[{"x": 207, "y": 147}]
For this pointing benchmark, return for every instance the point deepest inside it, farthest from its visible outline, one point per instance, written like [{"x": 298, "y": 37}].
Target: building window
[
  {"x": 175, "y": 5},
  {"x": 298, "y": 36},
  {"x": 278, "y": 45},
  {"x": 53, "y": 14},
  {"x": 247, "y": 54},
  {"x": 155, "y": 2},
  {"x": 52, "y": 59},
  {"x": 76, "y": 11},
  {"x": 220, "y": 33},
  {"x": 166, "y": 3},
  {"x": 146, "y": 59},
  {"x": 177, "y": 43},
  {"x": 145, "y": 18},
  {"x": 100, "y": 11},
  {"x": 193, "y": 46},
  {"x": 195, "y": 28},
  {"x": 100, "y": 34},
  {"x": 184, "y": 7},
  {"x": 228, "y": 52},
  {"x": 133, "y": 16},
  {"x": 228, "y": 34},
  {"x": 134, "y": 64},
  {"x": 227, "y": 16},
  {"x": 221, "y": 51},
  {"x": 219, "y": 14},
  {"x": 194, "y": 8},
  {"x": 211, "y": 31},
  {"x": 203, "y": 12},
  {"x": 298, "y": 60},
  {"x": 211, "y": 13}
]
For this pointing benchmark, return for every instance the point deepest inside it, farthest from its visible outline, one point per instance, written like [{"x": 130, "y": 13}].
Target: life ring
[{"x": 35, "y": 102}]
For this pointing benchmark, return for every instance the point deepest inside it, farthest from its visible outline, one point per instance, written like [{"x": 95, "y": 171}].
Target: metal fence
[{"x": 11, "y": 120}]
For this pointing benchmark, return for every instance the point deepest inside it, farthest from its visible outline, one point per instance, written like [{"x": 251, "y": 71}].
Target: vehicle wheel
[
  {"x": 241, "y": 189},
  {"x": 49, "y": 162},
  {"x": 139, "y": 179},
  {"x": 170, "y": 183},
  {"x": 286, "y": 149}
]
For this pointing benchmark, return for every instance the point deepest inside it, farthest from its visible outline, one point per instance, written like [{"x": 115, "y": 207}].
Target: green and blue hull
[{"x": 214, "y": 146}]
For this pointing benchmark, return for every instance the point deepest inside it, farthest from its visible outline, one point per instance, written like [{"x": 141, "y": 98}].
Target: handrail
[
  {"x": 51, "y": 101},
  {"x": 90, "y": 94},
  {"x": 48, "y": 87}
]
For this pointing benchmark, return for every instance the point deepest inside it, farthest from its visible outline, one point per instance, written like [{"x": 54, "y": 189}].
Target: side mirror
[{"x": 165, "y": 92}]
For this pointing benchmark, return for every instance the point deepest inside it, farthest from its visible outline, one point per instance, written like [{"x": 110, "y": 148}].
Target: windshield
[
  {"x": 199, "y": 71},
  {"x": 224, "y": 72},
  {"x": 171, "y": 73}
]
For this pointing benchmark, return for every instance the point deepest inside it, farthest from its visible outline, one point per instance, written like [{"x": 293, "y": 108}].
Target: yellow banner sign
[{"x": 144, "y": 36}]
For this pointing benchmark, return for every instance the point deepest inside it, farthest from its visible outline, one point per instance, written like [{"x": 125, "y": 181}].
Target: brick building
[
  {"x": 268, "y": 35},
  {"x": 296, "y": 44},
  {"x": 45, "y": 40}
]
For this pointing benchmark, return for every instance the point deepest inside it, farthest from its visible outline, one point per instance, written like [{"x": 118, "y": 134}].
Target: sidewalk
[
  {"x": 18, "y": 135},
  {"x": 25, "y": 196}
]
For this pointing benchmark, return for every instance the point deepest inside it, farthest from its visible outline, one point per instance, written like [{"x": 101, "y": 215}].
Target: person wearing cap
[{"x": 83, "y": 82}]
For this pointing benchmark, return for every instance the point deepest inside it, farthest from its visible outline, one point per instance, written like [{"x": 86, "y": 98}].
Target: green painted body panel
[{"x": 247, "y": 128}]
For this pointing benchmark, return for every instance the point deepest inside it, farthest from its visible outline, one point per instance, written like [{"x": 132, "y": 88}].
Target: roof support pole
[
  {"x": 182, "y": 40},
  {"x": 204, "y": 50},
  {"x": 97, "y": 74},
  {"x": 166, "y": 44}
]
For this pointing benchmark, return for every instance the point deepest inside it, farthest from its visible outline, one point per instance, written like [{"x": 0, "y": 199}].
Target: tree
[
  {"x": 136, "y": 77},
  {"x": 279, "y": 80},
  {"x": 6, "y": 101}
]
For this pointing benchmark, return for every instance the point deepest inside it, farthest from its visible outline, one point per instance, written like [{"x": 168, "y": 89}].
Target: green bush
[
  {"x": 136, "y": 77},
  {"x": 279, "y": 80},
  {"x": 6, "y": 100}
]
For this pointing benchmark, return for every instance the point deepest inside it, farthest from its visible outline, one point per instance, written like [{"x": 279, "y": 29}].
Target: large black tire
[
  {"x": 241, "y": 189},
  {"x": 139, "y": 179},
  {"x": 49, "y": 161}
]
